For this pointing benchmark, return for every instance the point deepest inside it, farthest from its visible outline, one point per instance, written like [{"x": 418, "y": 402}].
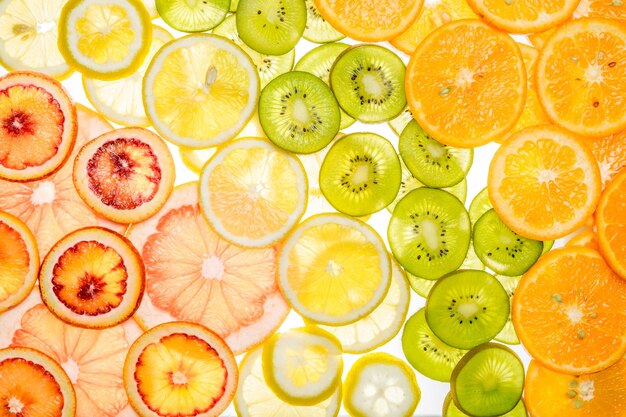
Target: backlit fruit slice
[
  {"x": 451, "y": 410},
  {"x": 334, "y": 269},
  {"x": 507, "y": 334},
  {"x": 381, "y": 385},
  {"x": 566, "y": 311},
  {"x": 194, "y": 275},
  {"x": 370, "y": 21},
  {"x": 466, "y": 97},
  {"x": 252, "y": 193},
  {"x": 120, "y": 100},
  {"x": 33, "y": 384},
  {"x": 181, "y": 103},
  {"x": 151, "y": 8},
  {"x": 587, "y": 238},
  {"x": 610, "y": 153},
  {"x": 28, "y": 37},
  {"x": 317, "y": 29},
  {"x": 611, "y": 224},
  {"x": 255, "y": 399},
  {"x": 587, "y": 53},
  {"x": 125, "y": 175},
  {"x": 192, "y": 16},
  {"x": 401, "y": 121},
  {"x": 37, "y": 126},
  {"x": 19, "y": 261},
  {"x": 180, "y": 369},
  {"x": 105, "y": 40},
  {"x": 303, "y": 366},
  {"x": 92, "y": 278}
]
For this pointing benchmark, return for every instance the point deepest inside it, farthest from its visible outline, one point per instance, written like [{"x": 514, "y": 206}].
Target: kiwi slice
[
  {"x": 488, "y": 381},
  {"x": 431, "y": 162},
  {"x": 368, "y": 81},
  {"x": 451, "y": 410},
  {"x": 360, "y": 174},
  {"x": 317, "y": 29},
  {"x": 192, "y": 16},
  {"x": 271, "y": 27},
  {"x": 426, "y": 352},
  {"x": 318, "y": 61},
  {"x": 507, "y": 334},
  {"x": 298, "y": 112},
  {"x": 233, "y": 5},
  {"x": 429, "y": 232},
  {"x": 398, "y": 123},
  {"x": 501, "y": 249}
]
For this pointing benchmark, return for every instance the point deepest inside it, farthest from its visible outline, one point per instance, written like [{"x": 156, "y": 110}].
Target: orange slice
[
  {"x": 544, "y": 183},
  {"x": 92, "y": 278},
  {"x": 37, "y": 126},
  {"x": 538, "y": 39},
  {"x": 125, "y": 175},
  {"x": 568, "y": 311},
  {"x": 19, "y": 261},
  {"x": 370, "y": 21},
  {"x": 194, "y": 275},
  {"x": 466, "y": 97},
  {"x": 611, "y": 224},
  {"x": 610, "y": 153},
  {"x": 180, "y": 369},
  {"x": 581, "y": 76},
  {"x": 586, "y": 238}
]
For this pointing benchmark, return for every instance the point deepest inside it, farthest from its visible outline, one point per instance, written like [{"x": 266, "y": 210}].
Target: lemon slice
[
  {"x": 380, "y": 385},
  {"x": 105, "y": 39},
  {"x": 303, "y": 366},
  {"x": 150, "y": 6},
  {"x": 28, "y": 37},
  {"x": 200, "y": 90}
]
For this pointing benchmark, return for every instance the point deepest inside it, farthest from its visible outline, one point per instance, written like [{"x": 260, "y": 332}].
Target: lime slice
[{"x": 194, "y": 15}]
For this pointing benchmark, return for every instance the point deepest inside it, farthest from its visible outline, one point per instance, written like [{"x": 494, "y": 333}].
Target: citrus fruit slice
[
  {"x": 180, "y": 369},
  {"x": 28, "y": 37},
  {"x": 610, "y": 153},
  {"x": 370, "y": 21},
  {"x": 317, "y": 29},
  {"x": 19, "y": 261},
  {"x": 466, "y": 97},
  {"x": 544, "y": 183},
  {"x": 181, "y": 104},
  {"x": 121, "y": 100},
  {"x": 255, "y": 399},
  {"x": 252, "y": 193},
  {"x": 92, "y": 278},
  {"x": 151, "y": 8},
  {"x": 566, "y": 311},
  {"x": 611, "y": 224},
  {"x": 37, "y": 126},
  {"x": 334, "y": 269},
  {"x": 33, "y": 384},
  {"x": 104, "y": 40},
  {"x": 380, "y": 385},
  {"x": 194, "y": 275},
  {"x": 125, "y": 175},
  {"x": 587, "y": 54},
  {"x": 587, "y": 238}
]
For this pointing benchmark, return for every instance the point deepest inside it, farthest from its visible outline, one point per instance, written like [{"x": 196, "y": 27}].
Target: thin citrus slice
[
  {"x": 370, "y": 21},
  {"x": 567, "y": 311},
  {"x": 188, "y": 79},
  {"x": 125, "y": 175},
  {"x": 121, "y": 100},
  {"x": 544, "y": 183},
  {"x": 581, "y": 76},
  {"x": 194, "y": 275},
  {"x": 381, "y": 385},
  {"x": 611, "y": 224},
  {"x": 255, "y": 399},
  {"x": 33, "y": 384},
  {"x": 253, "y": 193},
  {"x": 334, "y": 269},
  {"x": 105, "y": 40},
  {"x": 151, "y": 8},
  {"x": 19, "y": 261},
  {"x": 195, "y": 159},
  {"x": 28, "y": 37},
  {"x": 610, "y": 153},
  {"x": 37, "y": 126},
  {"x": 587, "y": 238},
  {"x": 466, "y": 97}
]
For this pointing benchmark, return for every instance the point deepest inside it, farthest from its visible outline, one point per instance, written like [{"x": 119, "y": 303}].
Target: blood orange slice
[
  {"x": 92, "y": 278},
  {"x": 180, "y": 369},
  {"x": 37, "y": 126},
  {"x": 194, "y": 275},
  {"x": 125, "y": 175}
]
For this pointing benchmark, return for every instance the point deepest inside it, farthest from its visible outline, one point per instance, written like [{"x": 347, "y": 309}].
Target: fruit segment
[{"x": 611, "y": 224}]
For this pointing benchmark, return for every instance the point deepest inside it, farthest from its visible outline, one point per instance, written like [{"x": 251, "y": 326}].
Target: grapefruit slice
[
  {"x": 37, "y": 126},
  {"x": 194, "y": 275}
]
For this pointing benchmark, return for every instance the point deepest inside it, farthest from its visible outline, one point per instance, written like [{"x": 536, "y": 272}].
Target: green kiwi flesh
[
  {"x": 507, "y": 334},
  {"x": 368, "y": 81},
  {"x": 398, "y": 123},
  {"x": 317, "y": 29},
  {"x": 488, "y": 381},
  {"x": 451, "y": 410},
  {"x": 192, "y": 16},
  {"x": 360, "y": 174}
]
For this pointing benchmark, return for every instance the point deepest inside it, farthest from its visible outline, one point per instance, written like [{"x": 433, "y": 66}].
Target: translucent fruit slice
[
  {"x": 180, "y": 369},
  {"x": 398, "y": 123},
  {"x": 317, "y": 29},
  {"x": 125, "y": 175},
  {"x": 611, "y": 224},
  {"x": 37, "y": 126},
  {"x": 192, "y": 16},
  {"x": 194, "y": 275},
  {"x": 610, "y": 152},
  {"x": 451, "y": 410},
  {"x": 507, "y": 334}
]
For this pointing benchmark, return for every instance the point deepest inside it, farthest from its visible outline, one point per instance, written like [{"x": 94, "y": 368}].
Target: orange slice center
[{"x": 14, "y": 261}]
